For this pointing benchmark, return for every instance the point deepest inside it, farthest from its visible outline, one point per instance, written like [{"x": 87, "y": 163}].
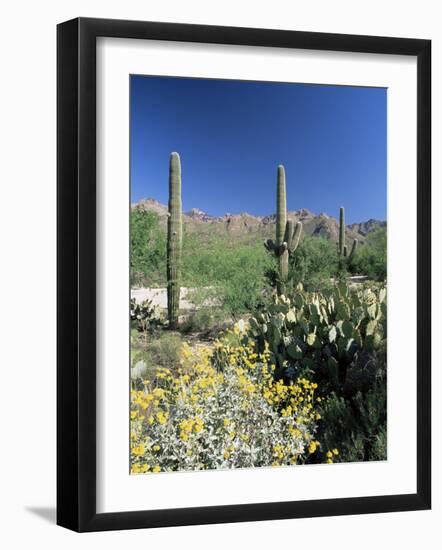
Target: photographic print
[
  {"x": 258, "y": 272},
  {"x": 222, "y": 230}
]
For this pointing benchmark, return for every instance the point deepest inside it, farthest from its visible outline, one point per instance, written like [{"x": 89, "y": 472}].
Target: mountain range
[{"x": 245, "y": 226}]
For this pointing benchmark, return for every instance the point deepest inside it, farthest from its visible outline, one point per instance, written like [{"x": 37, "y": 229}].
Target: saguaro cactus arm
[
  {"x": 296, "y": 235},
  {"x": 288, "y": 235},
  {"x": 353, "y": 249},
  {"x": 344, "y": 255}
]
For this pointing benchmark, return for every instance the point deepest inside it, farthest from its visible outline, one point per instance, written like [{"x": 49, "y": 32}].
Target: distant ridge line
[{"x": 248, "y": 225}]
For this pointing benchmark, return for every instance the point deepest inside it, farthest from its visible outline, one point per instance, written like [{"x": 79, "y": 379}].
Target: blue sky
[{"x": 231, "y": 135}]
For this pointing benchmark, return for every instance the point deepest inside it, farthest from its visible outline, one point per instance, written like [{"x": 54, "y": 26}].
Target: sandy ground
[{"x": 158, "y": 296}]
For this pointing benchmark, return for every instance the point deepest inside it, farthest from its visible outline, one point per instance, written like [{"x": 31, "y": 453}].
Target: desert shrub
[
  {"x": 233, "y": 271},
  {"x": 163, "y": 350},
  {"x": 357, "y": 425},
  {"x": 371, "y": 258},
  {"x": 156, "y": 349},
  {"x": 206, "y": 320},
  {"x": 314, "y": 263},
  {"x": 148, "y": 249},
  {"x": 221, "y": 412},
  {"x": 231, "y": 274},
  {"x": 378, "y": 447}
]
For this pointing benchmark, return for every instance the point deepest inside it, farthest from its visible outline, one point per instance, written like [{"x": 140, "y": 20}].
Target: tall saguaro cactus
[
  {"x": 287, "y": 234},
  {"x": 342, "y": 248},
  {"x": 281, "y": 221},
  {"x": 174, "y": 240},
  {"x": 341, "y": 231},
  {"x": 281, "y": 204}
]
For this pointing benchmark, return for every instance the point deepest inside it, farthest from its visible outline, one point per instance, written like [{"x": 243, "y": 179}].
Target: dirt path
[{"x": 158, "y": 296}]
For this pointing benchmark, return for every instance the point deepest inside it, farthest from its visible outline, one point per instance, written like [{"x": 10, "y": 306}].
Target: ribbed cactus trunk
[
  {"x": 174, "y": 240},
  {"x": 287, "y": 234},
  {"x": 341, "y": 231},
  {"x": 281, "y": 220},
  {"x": 353, "y": 248},
  {"x": 344, "y": 256}
]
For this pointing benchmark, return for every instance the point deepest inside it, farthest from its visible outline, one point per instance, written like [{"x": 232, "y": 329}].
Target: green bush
[
  {"x": 227, "y": 271},
  {"x": 370, "y": 259},
  {"x": 148, "y": 249},
  {"x": 356, "y": 425},
  {"x": 228, "y": 274},
  {"x": 314, "y": 263},
  {"x": 150, "y": 351},
  {"x": 163, "y": 350},
  {"x": 208, "y": 320}
]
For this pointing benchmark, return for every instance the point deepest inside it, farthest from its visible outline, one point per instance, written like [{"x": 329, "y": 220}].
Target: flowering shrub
[
  {"x": 336, "y": 338},
  {"x": 221, "y": 408}
]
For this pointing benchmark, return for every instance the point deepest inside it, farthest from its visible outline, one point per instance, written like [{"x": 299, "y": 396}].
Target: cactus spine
[
  {"x": 287, "y": 234},
  {"x": 174, "y": 240},
  {"x": 342, "y": 248}
]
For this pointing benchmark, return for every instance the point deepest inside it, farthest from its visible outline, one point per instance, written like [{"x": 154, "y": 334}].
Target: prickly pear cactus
[
  {"x": 326, "y": 332},
  {"x": 287, "y": 234},
  {"x": 174, "y": 240}
]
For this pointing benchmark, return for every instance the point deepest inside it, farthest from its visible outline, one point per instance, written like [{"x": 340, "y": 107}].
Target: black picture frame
[{"x": 76, "y": 274}]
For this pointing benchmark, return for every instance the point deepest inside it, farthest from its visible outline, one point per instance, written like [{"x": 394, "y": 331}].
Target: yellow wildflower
[{"x": 138, "y": 450}]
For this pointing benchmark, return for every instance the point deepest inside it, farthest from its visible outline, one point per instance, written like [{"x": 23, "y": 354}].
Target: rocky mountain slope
[{"x": 245, "y": 226}]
